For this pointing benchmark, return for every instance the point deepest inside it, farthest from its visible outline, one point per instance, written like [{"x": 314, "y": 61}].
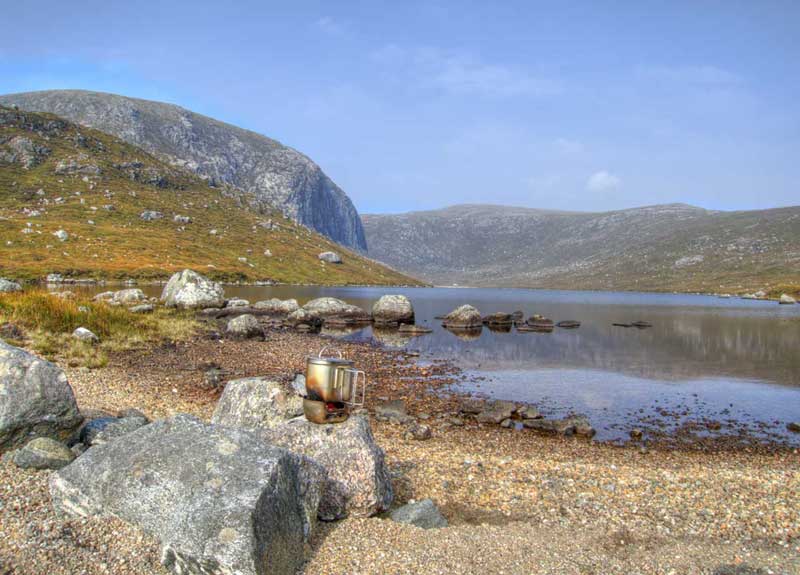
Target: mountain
[
  {"x": 276, "y": 176},
  {"x": 672, "y": 247},
  {"x": 80, "y": 202}
]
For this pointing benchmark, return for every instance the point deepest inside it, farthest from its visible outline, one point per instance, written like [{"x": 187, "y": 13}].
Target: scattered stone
[
  {"x": 215, "y": 377},
  {"x": 219, "y": 499},
  {"x": 43, "y": 453},
  {"x": 237, "y": 302},
  {"x": 507, "y": 423},
  {"x": 569, "y": 324},
  {"x": 178, "y": 219},
  {"x": 62, "y": 235},
  {"x": 498, "y": 319},
  {"x": 636, "y": 434},
  {"x": 151, "y": 215},
  {"x": 793, "y": 426},
  {"x": 418, "y": 432},
  {"x": 256, "y": 403},
  {"x": 358, "y": 479},
  {"x": 786, "y": 299},
  {"x": 330, "y": 257},
  {"x": 190, "y": 290},
  {"x": 472, "y": 405},
  {"x": 393, "y": 309},
  {"x": 393, "y": 411},
  {"x": 422, "y": 514},
  {"x": 529, "y": 412},
  {"x": 244, "y": 327},
  {"x": 464, "y": 317},
  {"x": 9, "y": 286},
  {"x": 37, "y": 400},
  {"x": 127, "y": 297},
  {"x": 10, "y": 331},
  {"x": 83, "y": 334}
]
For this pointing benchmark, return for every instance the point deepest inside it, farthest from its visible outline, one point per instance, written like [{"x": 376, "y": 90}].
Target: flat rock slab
[
  {"x": 358, "y": 479},
  {"x": 219, "y": 499}
]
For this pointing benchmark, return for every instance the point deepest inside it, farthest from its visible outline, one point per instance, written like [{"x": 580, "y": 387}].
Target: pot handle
[
  {"x": 331, "y": 347},
  {"x": 356, "y": 373}
]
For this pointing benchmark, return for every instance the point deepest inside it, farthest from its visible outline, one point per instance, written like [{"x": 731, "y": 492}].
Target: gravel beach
[{"x": 517, "y": 502}]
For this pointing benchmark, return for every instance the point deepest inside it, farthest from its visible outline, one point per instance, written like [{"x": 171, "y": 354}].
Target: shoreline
[{"x": 516, "y": 502}]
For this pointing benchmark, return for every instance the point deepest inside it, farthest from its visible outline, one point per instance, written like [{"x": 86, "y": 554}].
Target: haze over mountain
[
  {"x": 659, "y": 248},
  {"x": 277, "y": 177}
]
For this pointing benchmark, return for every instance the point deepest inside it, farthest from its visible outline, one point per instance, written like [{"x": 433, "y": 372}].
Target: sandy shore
[{"x": 517, "y": 502}]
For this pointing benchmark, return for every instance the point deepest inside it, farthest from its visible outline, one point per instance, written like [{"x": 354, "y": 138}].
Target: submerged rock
[{"x": 463, "y": 317}]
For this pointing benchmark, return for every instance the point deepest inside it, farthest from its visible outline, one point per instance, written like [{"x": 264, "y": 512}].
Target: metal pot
[{"x": 334, "y": 380}]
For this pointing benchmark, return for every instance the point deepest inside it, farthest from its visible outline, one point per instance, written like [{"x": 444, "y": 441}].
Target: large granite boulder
[
  {"x": 277, "y": 306},
  {"x": 35, "y": 399},
  {"x": 9, "y": 286},
  {"x": 326, "y": 307},
  {"x": 256, "y": 403},
  {"x": 393, "y": 309},
  {"x": 463, "y": 317},
  {"x": 787, "y": 299},
  {"x": 358, "y": 480},
  {"x": 330, "y": 257},
  {"x": 219, "y": 499},
  {"x": 190, "y": 290}
]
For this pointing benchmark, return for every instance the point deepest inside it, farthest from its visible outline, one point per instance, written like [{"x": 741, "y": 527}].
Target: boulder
[
  {"x": 393, "y": 309},
  {"x": 151, "y": 215},
  {"x": 529, "y": 412},
  {"x": 116, "y": 429},
  {"x": 329, "y": 307},
  {"x": 256, "y": 403},
  {"x": 498, "y": 319},
  {"x": 43, "y": 453},
  {"x": 9, "y": 286},
  {"x": 104, "y": 296},
  {"x": 190, "y": 290},
  {"x": 244, "y": 327},
  {"x": 219, "y": 499},
  {"x": 464, "y": 317},
  {"x": 130, "y": 296},
  {"x": 237, "y": 302},
  {"x": 418, "y": 432},
  {"x": 358, "y": 479},
  {"x": 573, "y": 425},
  {"x": 61, "y": 235},
  {"x": 277, "y": 306},
  {"x": 786, "y": 299},
  {"x": 301, "y": 317},
  {"x": 422, "y": 514},
  {"x": 86, "y": 335},
  {"x": 37, "y": 400},
  {"x": 496, "y": 412},
  {"x": 142, "y": 308},
  {"x": 330, "y": 257}
]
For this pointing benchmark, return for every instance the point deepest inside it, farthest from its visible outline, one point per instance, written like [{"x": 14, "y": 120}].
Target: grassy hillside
[
  {"x": 656, "y": 248},
  {"x": 55, "y": 176}
]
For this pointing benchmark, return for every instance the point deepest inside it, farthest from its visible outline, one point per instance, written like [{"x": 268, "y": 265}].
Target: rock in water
[
  {"x": 256, "y": 403},
  {"x": 190, "y": 290},
  {"x": 9, "y": 286},
  {"x": 43, "y": 453},
  {"x": 330, "y": 257},
  {"x": 464, "y": 317},
  {"x": 393, "y": 309},
  {"x": 359, "y": 483},
  {"x": 37, "y": 400},
  {"x": 244, "y": 326},
  {"x": 787, "y": 299},
  {"x": 423, "y": 514},
  {"x": 326, "y": 307},
  {"x": 218, "y": 499}
]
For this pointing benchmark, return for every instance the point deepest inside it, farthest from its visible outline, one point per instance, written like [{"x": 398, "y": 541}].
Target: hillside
[
  {"x": 658, "y": 248},
  {"x": 55, "y": 175},
  {"x": 275, "y": 175}
]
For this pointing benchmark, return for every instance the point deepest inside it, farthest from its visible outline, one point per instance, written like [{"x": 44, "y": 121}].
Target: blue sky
[{"x": 416, "y": 105}]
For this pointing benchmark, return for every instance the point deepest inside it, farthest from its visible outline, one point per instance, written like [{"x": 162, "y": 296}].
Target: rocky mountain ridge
[
  {"x": 275, "y": 176},
  {"x": 674, "y": 247}
]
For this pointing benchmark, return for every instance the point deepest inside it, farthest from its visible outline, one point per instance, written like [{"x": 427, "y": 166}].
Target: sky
[{"x": 409, "y": 105}]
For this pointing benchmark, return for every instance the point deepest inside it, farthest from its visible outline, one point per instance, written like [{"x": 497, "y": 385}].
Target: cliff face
[
  {"x": 274, "y": 175},
  {"x": 658, "y": 248}
]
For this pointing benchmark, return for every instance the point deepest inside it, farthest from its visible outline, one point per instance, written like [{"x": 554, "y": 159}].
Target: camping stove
[{"x": 332, "y": 388}]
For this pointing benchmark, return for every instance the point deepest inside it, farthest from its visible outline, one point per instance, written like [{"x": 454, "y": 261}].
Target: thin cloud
[
  {"x": 603, "y": 181},
  {"x": 330, "y": 26},
  {"x": 459, "y": 73}
]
